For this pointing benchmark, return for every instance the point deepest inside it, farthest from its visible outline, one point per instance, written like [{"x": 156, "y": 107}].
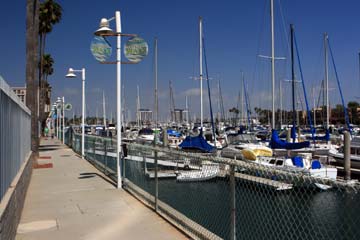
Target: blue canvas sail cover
[
  {"x": 174, "y": 133},
  {"x": 197, "y": 142},
  {"x": 277, "y": 143}
]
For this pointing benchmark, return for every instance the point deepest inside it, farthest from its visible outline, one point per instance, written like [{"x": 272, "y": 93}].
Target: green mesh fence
[
  {"x": 230, "y": 199},
  {"x": 210, "y": 197}
]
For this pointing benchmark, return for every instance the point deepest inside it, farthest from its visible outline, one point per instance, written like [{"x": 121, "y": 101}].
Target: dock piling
[
  {"x": 233, "y": 202},
  {"x": 288, "y": 135},
  {"x": 347, "y": 165},
  {"x": 156, "y": 180},
  {"x": 165, "y": 137}
]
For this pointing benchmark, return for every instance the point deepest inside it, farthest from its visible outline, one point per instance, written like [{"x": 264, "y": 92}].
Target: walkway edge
[{"x": 13, "y": 201}]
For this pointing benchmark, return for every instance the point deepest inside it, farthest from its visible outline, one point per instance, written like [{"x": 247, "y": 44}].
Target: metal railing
[
  {"x": 211, "y": 197},
  {"x": 15, "y": 135}
]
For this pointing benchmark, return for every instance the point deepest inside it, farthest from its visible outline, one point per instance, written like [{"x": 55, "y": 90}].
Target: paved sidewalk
[{"x": 72, "y": 200}]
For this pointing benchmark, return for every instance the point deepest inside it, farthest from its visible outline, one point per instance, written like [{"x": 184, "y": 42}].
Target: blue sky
[{"x": 235, "y": 33}]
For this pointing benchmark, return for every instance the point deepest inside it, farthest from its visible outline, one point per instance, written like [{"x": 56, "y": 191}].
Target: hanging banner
[
  {"x": 100, "y": 49},
  {"x": 136, "y": 49}
]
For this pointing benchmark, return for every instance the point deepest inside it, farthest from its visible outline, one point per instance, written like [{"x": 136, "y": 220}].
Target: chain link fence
[{"x": 211, "y": 197}]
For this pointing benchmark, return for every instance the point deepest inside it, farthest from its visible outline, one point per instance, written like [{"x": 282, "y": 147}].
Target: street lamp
[
  {"x": 135, "y": 50},
  {"x": 103, "y": 31},
  {"x": 71, "y": 74},
  {"x": 58, "y": 112},
  {"x": 53, "y": 119},
  {"x": 63, "y": 119}
]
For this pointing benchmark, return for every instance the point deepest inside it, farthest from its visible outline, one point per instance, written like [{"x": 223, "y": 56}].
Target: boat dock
[
  {"x": 280, "y": 186},
  {"x": 162, "y": 174}
]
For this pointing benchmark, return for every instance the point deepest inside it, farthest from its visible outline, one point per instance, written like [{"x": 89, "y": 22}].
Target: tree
[
  {"x": 32, "y": 25},
  {"x": 47, "y": 68},
  {"x": 50, "y": 13},
  {"x": 353, "y": 112}
]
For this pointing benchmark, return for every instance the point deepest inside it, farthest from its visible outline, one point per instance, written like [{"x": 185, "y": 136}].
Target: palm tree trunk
[
  {"x": 32, "y": 26},
  {"x": 41, "y": 81}
]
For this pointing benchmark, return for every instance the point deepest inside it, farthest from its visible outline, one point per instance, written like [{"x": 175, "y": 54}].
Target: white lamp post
[
  {"x": 58, "y": 112},
  {"x": 63, "y": 120},
  {"x": 105, "y": 30},
  {"x": 53, "y": 120},
  {"x": 71, "y": 74}
]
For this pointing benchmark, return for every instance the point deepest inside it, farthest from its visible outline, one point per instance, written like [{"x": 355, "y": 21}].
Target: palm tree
[
  {"x": 50, "y": 13},
  {"x": 32, "y": 25},
  {"x": 48, "y": 69}
]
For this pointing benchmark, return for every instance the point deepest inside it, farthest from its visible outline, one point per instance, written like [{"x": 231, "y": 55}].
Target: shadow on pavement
[
  {"x": 48, "y": 149},
  {"x": 86, "y": 175}
]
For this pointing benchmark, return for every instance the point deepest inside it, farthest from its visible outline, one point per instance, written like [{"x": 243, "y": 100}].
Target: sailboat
[
  {"x": 199, "y": 143},
  {"x": 303, "y": 162}
]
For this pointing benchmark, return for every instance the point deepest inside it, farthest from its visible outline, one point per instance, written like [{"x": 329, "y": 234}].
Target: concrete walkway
[{"x": 72, "y": 200}]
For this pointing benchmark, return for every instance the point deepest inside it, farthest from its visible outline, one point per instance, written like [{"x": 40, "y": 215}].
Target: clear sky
[{"x": 235, "y": 33}]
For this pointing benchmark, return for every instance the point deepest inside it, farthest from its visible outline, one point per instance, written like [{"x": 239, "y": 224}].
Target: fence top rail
[{"x": 4, "y": 87}]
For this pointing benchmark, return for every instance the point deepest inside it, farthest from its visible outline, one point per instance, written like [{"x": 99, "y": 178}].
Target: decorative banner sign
[
  {"x": 68, "y": 107},
  {"x": 100, "y": 49},
  {"x": 58, "y": 106},
  {"x": 136, "y": 49}
]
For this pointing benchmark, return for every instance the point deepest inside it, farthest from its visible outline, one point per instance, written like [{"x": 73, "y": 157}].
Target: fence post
[
  {"x": 123, "y": 157},
  {"x": 165, "y": 137},
  {"x": 288, "y": 135},
  {"x": 232, "y": 202},
  {"x": 156, "y": 181},
  {"x": 105, "y": 155},
  {"x": 94, "y": 145},
  {"x": 347, "y": 162}
]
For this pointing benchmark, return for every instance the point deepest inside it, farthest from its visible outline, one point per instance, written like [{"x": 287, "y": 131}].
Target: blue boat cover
[
  {"x": 315, "y": 164},
  {"x": 277, "y": 143},
  {"x": 174, "y": 133},
  {"x": 198, "y": 142},
  {"x": 298, "y": 161}
]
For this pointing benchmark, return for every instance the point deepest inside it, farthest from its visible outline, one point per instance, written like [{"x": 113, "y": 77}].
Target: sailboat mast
[
  {"x": 156, "y": 85},
  {"x": 326, "y": 80},
  {"x": 187, "y": 109},
  {"x": 201, "y": 73},
  {"x": 272, "y": 63},
  {"x": 242, "y": 98},
  {"x": 313, "y": 93},
  {"x": 138, "y": 106},
  {"x": 104, "y": 113},
  {"x": 97, "y": 116},
  {"x": 281, "y": 107},
  {"x": 293, "y": 77},
  {"x": 359, "y": 65}
]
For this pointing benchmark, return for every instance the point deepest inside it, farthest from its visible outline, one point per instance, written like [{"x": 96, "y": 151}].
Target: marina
[{"x": 187, "y": 120}]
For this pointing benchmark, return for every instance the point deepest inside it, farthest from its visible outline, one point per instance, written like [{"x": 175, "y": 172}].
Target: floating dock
[
  {"x": 280, "y": 186},
  {"x": 162, "y": 174}
]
